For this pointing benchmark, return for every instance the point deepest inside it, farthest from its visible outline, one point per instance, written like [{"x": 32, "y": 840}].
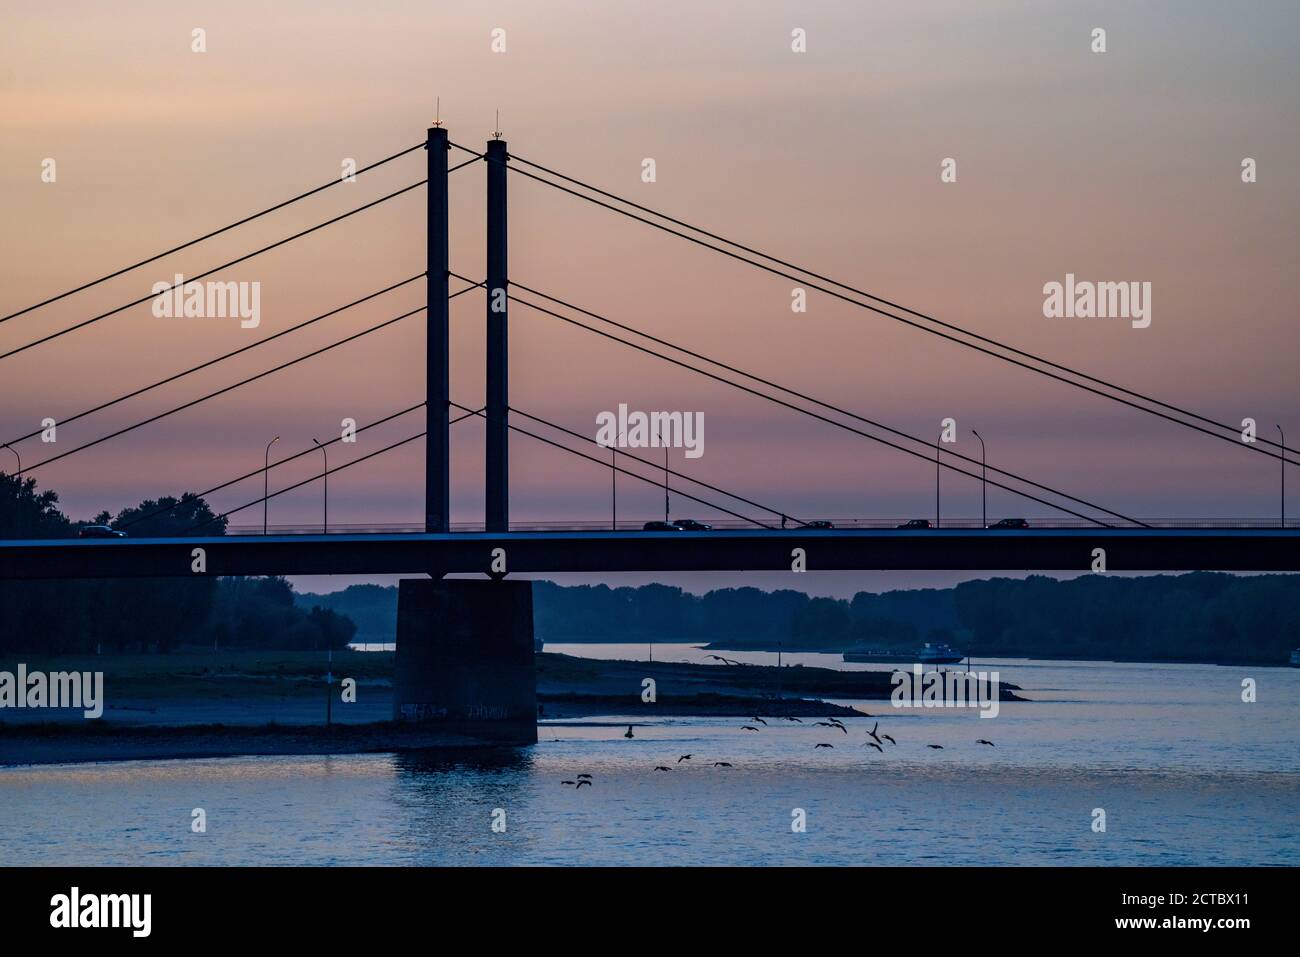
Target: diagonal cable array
[
  {"x": 622, "y": 471},
  {"x": 216, "y": 232},
  {"x": 307, "y": 481},
  {"x": 214, "y": 269},
  {"x": 311, "y": 450},
  {"x": 793, "y": 392},
  {"x": 822, "y": 418},
  {"x": 211, "y": 362},
  {"x": 209, "y": 272},
  {"x": 655, "y": 465},
  {"x": 242, "y": 382},
  {"x": 953, "y": 330}
]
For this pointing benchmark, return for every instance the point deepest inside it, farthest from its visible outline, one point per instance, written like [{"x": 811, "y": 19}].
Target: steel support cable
[
  {"x": 211, "y": 362},
  {"x": 308, "y": 481},
  {"x": 205, "y": 236},
  {"x": 209, "y": 272},
  {"x": 829, "y": 421},
  {"x": 673, "y": 472},
  {"x": 934, "y": 332},
  {"x": 311, "y": 450},
  {"x": 261, "y": 375},
  {"x": 812, "y": 399}
]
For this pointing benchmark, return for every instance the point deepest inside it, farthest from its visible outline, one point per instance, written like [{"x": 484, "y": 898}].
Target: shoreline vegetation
[
  {"x": 1198, "y": 617},
  {"x": 201, "y": 704}
]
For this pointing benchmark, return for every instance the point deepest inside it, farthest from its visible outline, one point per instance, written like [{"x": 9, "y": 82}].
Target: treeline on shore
[
  {"x": 147, "y": 614},
  {"x": 1193, "y": 617}
]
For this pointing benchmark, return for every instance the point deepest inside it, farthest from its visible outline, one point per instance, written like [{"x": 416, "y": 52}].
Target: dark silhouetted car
[
  {"x": 660, "y": 527},
  {"x": 691, "y": 525},
  {"x": 1011, "y": 523},
  {"x": 819, "y": 523},
  {"x": 100, "y": 531},
  {"x": 916, "y": 523}
]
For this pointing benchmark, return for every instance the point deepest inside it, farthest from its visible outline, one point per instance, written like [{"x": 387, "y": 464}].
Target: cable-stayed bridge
[{"x": 1073, "y": 532}]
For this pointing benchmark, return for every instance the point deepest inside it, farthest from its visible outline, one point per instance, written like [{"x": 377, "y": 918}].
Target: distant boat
[
  {"x": 1295, "y": 658},
  {"x": 938, "y": 654}
]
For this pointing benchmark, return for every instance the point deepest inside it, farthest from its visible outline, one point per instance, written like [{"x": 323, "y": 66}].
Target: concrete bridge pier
[{"x": 465, "y": 658}]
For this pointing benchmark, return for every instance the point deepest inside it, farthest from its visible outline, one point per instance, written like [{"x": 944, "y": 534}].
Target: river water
[{"x": 1184, "y": 771}]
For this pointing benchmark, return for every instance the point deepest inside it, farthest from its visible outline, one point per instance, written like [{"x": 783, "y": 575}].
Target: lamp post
[
  {"x": 266, "y": 469},
  {"x": 613, "y": 491},
  {"x": 936, "y": 479},
  {"x": 20, "y": 461},
  {"x": 1283, "y": 434},
  {"x": 984, "y": 482},
  {"x": 665, "y": 445},
  {"x": 325, "y": 528}
]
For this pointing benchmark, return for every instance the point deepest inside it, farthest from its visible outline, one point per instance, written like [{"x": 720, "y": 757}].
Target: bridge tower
[
  {"x": 465, "y": 655},
  {"x": 498, "y": 396},
  {"x": 437, "y": 384}
]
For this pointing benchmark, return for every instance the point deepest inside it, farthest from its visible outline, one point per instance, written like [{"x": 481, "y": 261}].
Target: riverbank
[
  {"x": 211, "y": 704},
  {"x": 1222, "y": 661}
]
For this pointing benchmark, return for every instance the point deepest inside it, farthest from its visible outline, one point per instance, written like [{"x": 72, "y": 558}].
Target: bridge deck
[{"x": 1044, "y": 549}]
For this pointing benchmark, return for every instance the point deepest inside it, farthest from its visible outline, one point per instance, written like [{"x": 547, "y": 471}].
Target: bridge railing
[{"x": 792, "y": 525}]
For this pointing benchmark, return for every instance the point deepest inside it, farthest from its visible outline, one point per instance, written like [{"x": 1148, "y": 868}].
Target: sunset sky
[{"x": 1121, "y": 166}]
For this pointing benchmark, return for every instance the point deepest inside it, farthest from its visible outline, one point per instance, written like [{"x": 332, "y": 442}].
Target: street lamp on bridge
[
  {"x": 266, "y": 468},
  {"x": 325, "y": 526},
  {"x": 665, "y": 445},
  {"x": 936, "y": 479},
  {"x": 1283, "y": 434},
  {"x": 984, "y": 482}
]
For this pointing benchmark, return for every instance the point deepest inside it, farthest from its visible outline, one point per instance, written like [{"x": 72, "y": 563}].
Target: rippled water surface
[{"x": 1185, "y": 771}]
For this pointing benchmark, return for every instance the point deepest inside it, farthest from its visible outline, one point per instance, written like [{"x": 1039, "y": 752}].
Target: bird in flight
[
  {"x": 725, "y": 661},
  {"x": 937, "y": 747},
  {"x": 662, "y": 768},
  {"x": 794, "y": 719},
  {"x": 568, "y": 782},
  {"x": 816, "y": 746},
  {"x": 873, "y": 734},
  {"x": 629, "y": 732},
  {"x": 872, "y": 744},
  {"x": 889, "y": 739},
  {"x": 581, "y": 776},
  {"x": 721, "y": 764},
  {"x": 581, "y": 783},
  {"x": 989, "y": 743},
  {"x": 684, "y": 757},
  {"x": 748, "y": 727},
  {"x": 758, "y": 720}
]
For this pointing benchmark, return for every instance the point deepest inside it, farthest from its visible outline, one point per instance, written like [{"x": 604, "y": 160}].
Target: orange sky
[{"x": 1115, "y": 166}]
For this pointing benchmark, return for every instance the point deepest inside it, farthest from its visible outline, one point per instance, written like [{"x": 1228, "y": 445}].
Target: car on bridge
[
  {"x": 691, "y": 525},
  {"x": 1010, "y": 523},
  {"x": 661, "y": 527},
  {"x": 819, "y": 523},
  {"x": 916, "y": 523},
  {"x": 99, "y": 531}
]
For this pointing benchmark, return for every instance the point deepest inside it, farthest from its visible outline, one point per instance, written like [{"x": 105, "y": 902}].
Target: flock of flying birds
[{"x": 877, "y": 741}]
